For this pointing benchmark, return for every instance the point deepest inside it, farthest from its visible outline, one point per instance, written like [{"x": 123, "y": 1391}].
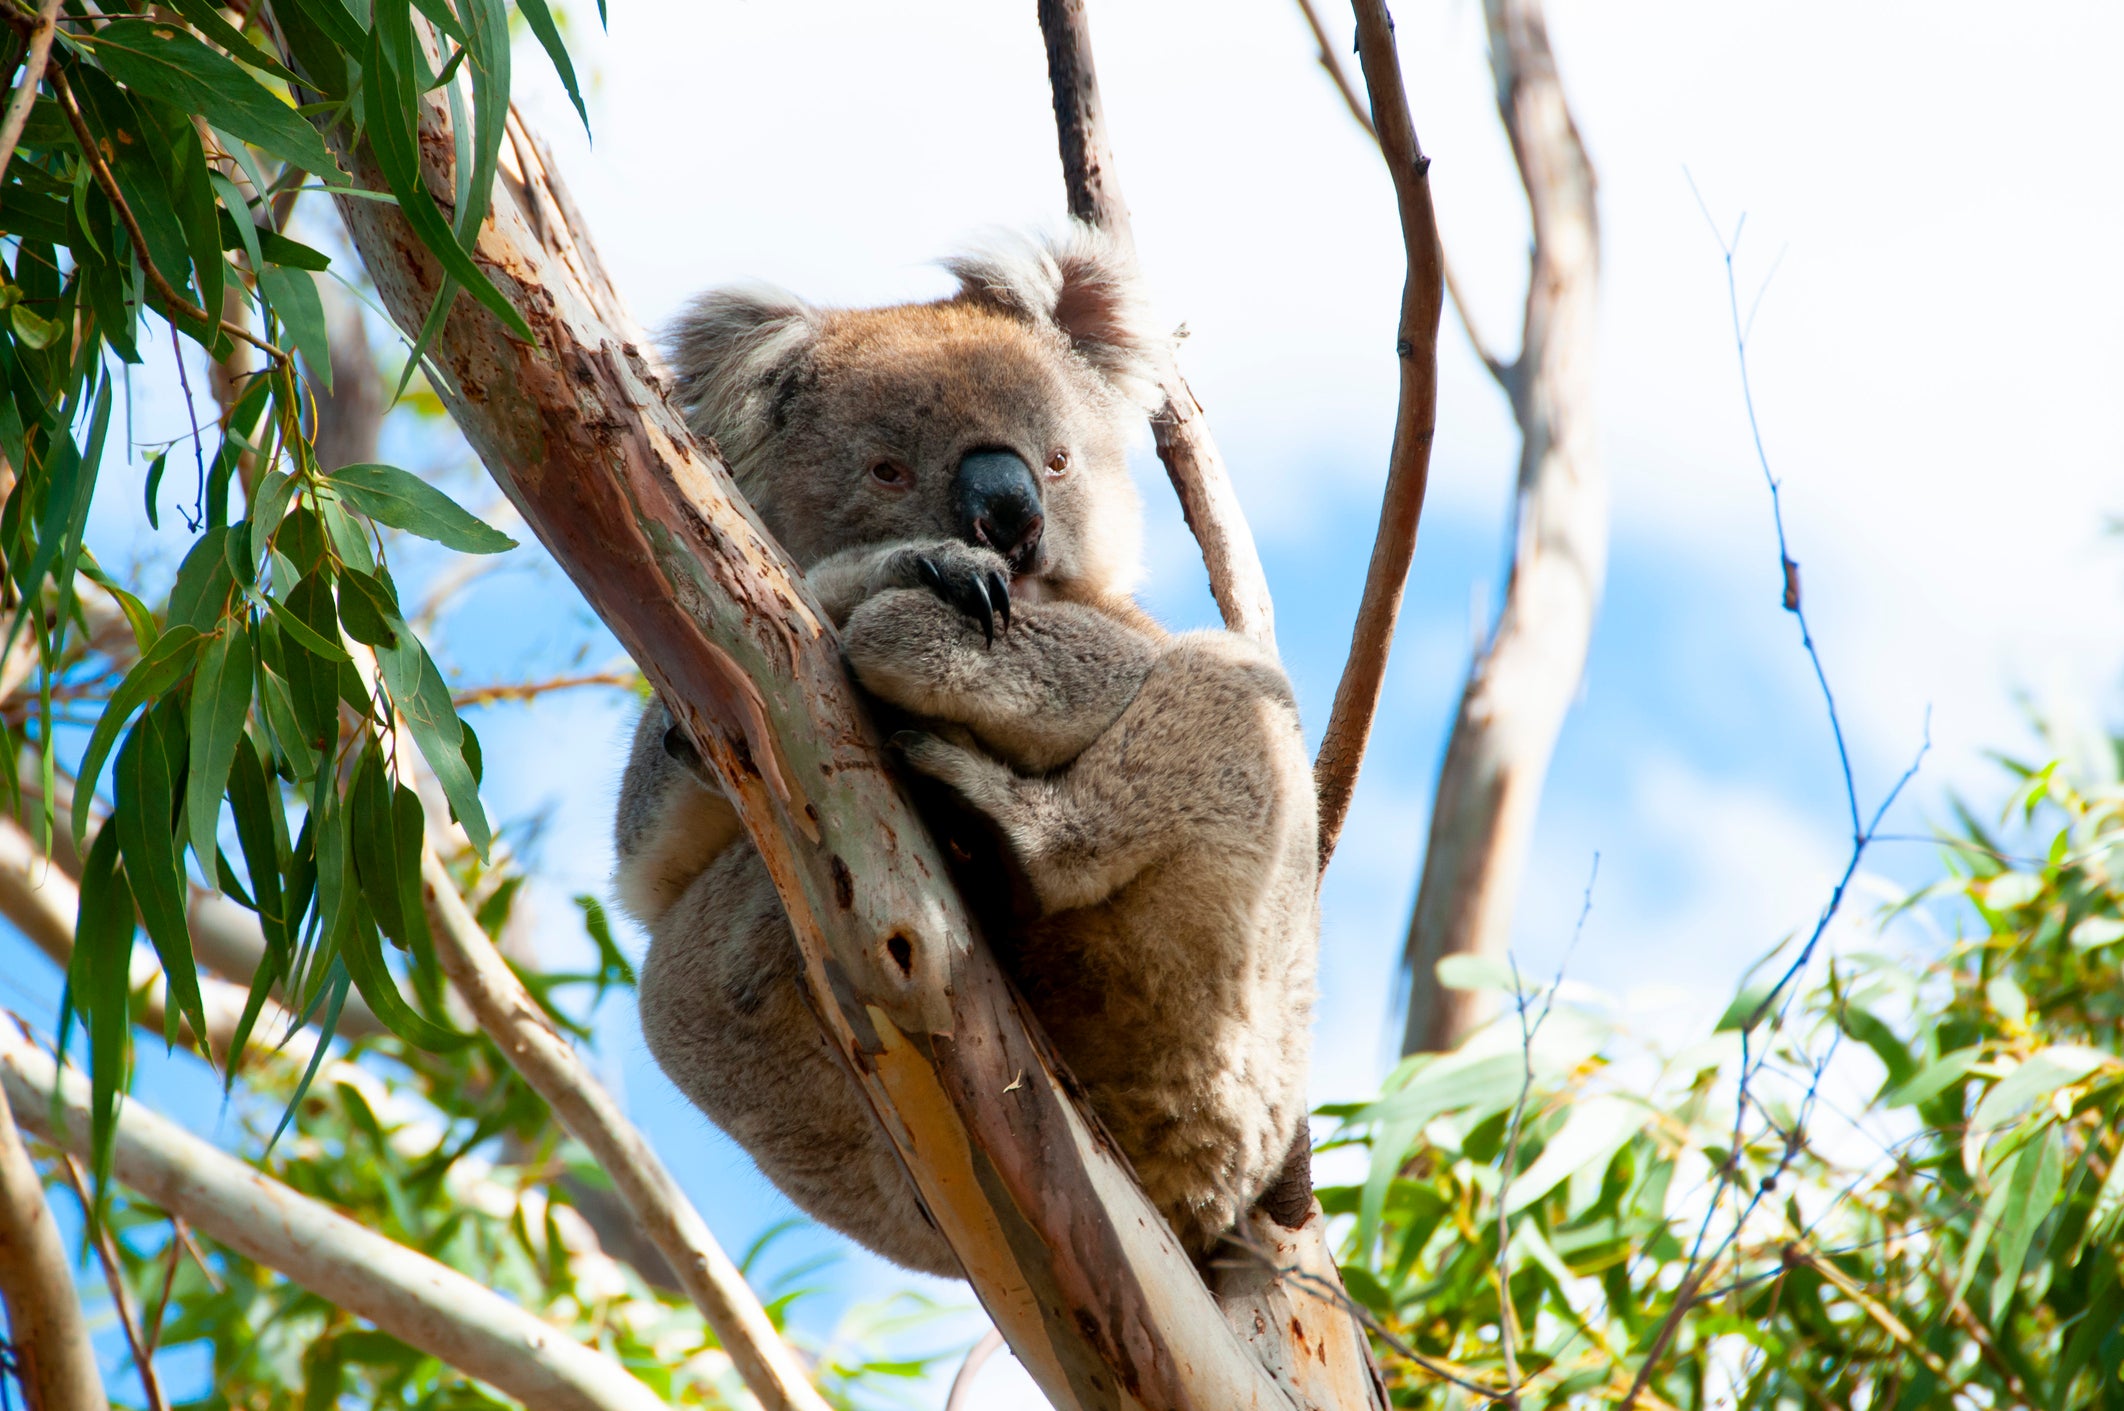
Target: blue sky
[{"x": 1936, "y": 364}]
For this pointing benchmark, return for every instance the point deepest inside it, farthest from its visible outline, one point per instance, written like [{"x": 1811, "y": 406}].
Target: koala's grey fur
[{"x": 1152, "y": 791}]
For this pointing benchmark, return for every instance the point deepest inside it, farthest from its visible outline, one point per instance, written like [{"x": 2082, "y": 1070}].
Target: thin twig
[
  {"x": 25, "y": 95},
  {"x": 1192, "y": 461},
  {"x": 1528, "y": 1032},
  {"x": 1863, "y": 830},
  {"x": 1499, "y": 369},
  {"x": 114, "y": 1278},
  {"x": 1349, "y": 724},
  {"x": 960, "y": 1397},
  {"x": 532, "y": 690},
  {"x": 175, "y": 304}
]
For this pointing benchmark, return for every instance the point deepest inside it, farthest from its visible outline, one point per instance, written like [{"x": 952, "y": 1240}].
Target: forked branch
[{"x": 1192, "y": 460}]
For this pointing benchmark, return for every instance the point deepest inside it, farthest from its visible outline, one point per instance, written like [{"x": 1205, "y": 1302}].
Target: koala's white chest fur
[{"x": 952, "y": 473}]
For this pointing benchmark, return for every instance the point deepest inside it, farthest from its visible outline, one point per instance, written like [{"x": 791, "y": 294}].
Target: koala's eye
[
  {"x": 1058, "y": 463},
  {"x": 892, "y": 473}
]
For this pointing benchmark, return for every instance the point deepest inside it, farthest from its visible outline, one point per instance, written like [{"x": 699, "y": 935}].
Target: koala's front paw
[{"x": 974, "y": 580}]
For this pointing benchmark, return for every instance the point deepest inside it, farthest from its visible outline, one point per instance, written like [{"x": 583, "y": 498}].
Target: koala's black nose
[{"x": 998, "y": 504}]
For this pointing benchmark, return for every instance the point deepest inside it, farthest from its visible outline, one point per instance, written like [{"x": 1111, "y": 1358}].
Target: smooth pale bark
[
  {"x": 408, "y": 1295},
  {"x": 54, "y": 1360},
  {"x": 547, "y": 1061},
  {"x": 1071, "y": 1261},
  {"x": 1522, "y": 684},
  {"x": 1190, "y": 455}
]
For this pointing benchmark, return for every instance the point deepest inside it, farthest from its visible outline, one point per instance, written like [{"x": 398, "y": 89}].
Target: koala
[{"x": 952, "y": 478}]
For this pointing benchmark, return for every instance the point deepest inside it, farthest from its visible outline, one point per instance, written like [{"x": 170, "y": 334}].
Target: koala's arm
[
  {"x": 1036, "y": 695},
  {"x": 671, "y": 823},
  {"x": 1206, "y": 758}
]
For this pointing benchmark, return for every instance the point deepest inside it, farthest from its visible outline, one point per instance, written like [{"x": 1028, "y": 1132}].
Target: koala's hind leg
[
  {"x": 1047, "y": 686},
  {"x": 672, "y": 822}
]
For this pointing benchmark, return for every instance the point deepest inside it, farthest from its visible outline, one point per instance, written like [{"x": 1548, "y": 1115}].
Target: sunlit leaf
[{"x": 392, "y": 496}]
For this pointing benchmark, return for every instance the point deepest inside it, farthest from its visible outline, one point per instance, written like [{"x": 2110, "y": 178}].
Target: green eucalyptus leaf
[
  {"x": 150, "y": 769},
  {"x": 540, "y": 19},
  {"x": 210, "y": 23},
  {"x": 167, "y": 63},
  {"x": 392, "y": 98},
  {"x": 423, "y": 701},
  {"x": 2031, "y": 1192},
  {"x": 165, "y": 664},
  {"x": 293, "y": 295},
  {"x": 366, "y": 609},
  {"x": 402, "y": 500},
  {"x": 99, "y": 981},
  {"x": 221, "y": 698}
]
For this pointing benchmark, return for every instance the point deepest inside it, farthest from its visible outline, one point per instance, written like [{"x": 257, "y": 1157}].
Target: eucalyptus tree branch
[
  {"x": 1192, "y": 461},
  {"x": 1521, "y": 684},
  {"x": 1349, "y": 724},
  {"x": 25, "y": 94},
  {"x": 1071, "y": 1260},
  {"x": 54, "y": 1360},
  {"x": 539, "y": 1052},
  {"x": 1498, "y": 368},
  {"x": 418, "y": 1301}
]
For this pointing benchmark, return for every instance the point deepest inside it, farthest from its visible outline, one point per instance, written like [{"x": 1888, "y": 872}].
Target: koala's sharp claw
[
  {"x": 986, "y": 611},
  {"x": 929, "y": 574},
  {"x": 999, "y": 597}
]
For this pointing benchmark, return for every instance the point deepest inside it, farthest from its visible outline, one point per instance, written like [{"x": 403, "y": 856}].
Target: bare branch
[
  {"x": 546, "y": 1060},
  {"x": 1339, "y": 76},
  {"x": 422, "y": 1303},
  {"x": 1349, "y": 724},
  {"x": 53, "y": 1355},
  {"x": 25, "y": 94},
  {"x": 1070, "y": 1259},
  {"x": 522, "y": 691},
  {"x": 1521, "y": 685},
  {"x": 1192, "y": 461},
  {"x": 960, "y": 1396}
]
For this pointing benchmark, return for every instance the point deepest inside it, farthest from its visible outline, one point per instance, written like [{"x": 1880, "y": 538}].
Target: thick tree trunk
[
  {"x": 1521, "y": 685},
  {"x": 1077, "y": 1269}
]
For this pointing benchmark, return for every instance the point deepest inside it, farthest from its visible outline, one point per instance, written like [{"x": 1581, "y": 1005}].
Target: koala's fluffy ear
[
  {"x": 1083, "y": 284},
  {"x": 734, "y": 353}
]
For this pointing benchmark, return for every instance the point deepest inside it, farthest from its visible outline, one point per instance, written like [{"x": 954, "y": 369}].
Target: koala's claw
[{"x": 982, "y": 595}]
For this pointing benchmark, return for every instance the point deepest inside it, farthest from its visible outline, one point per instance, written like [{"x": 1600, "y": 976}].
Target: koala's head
[{"x": 998, "y": 416}]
